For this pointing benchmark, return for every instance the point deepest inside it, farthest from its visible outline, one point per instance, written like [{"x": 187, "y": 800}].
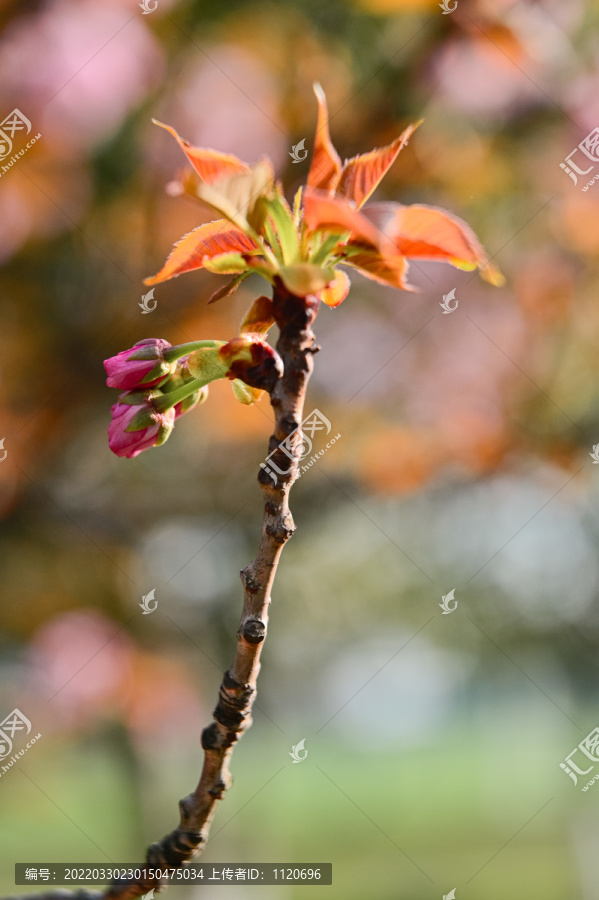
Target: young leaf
[
  {"x": 297, "y": 207},
  {"x": 425, "y": 232},
  {"x": 235, "y": 197},
  {"x": 326, "y": 165},
  {"x": 206, "y": 241},
  {"x": 209, "y": 164},
  {"x": 389, "y": 270},
  {"x": 280, "y": 214},
  {"x": 336, "y": 214},
  {"x": 361, "y": 175}
]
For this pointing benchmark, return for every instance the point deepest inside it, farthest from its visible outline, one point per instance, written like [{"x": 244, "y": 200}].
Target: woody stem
[{"x": 232, "y": 715}]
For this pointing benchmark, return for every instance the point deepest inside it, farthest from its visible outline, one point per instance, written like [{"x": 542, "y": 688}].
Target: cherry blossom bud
[
  {"x": 142, "y": 366},
  {"x": 137, "y": 424}
]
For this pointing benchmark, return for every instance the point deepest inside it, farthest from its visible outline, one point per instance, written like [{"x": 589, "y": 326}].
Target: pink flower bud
[
  {"x": 137, "y": 425},
  {"x": 140, "y": 367}
]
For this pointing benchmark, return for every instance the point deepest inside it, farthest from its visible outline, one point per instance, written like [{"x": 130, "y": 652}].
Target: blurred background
[{"x": 433, "y": 740}]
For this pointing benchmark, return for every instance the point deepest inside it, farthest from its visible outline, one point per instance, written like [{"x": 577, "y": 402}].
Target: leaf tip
[{"x": 492, "y": 275}]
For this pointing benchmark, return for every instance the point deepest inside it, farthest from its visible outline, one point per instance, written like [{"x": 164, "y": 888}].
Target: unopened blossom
[
  {"x": 137, "y": 424},
  {"x": 143, "y": 365}
]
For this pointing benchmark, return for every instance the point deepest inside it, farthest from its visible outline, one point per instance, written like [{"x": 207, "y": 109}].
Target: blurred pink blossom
[
  {"x": 80, "y": 659},
  {"x": 77, "y": 68},
  {"x": 230, "y": 101},
  {"x": 87, "y": 669},
  {"x": 479, "y": 78},
  {"x": 582, "y": 100}
]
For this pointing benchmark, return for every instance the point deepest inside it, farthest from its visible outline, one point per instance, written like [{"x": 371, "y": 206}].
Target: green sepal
[
  {"x": 164, "y": 432},
  {"x": 195, "y": 399},
  {"x": 160, "y": 370},
  {"x": 206, "y": 364},
  {"x": 179, "y": 350},
  {"x": 143, "y": 419},
  {"x": 137, "y": 398},
  {"x": 147, "y": 351}
]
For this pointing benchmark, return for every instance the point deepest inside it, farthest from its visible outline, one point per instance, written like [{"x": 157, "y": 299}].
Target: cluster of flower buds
[{"x": 160, "y": 383}]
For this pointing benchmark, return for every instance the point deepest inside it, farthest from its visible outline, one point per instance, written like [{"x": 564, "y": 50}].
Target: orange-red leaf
[
  {"x": 326, "y": 165},
  {"x": 209, "y": 240},
  {"x": 391, "y": 270},
  {"x": 336, "y": 214},
  {"x": 336, "y": 292},
  {"x": 209, "y": 164},
  {"x": 362, "y": 174},
  {"x": 425, "y": 232}
]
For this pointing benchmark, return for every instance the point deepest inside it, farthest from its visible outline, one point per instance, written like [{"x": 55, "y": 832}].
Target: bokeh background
[{"x": 433, "y": 741}]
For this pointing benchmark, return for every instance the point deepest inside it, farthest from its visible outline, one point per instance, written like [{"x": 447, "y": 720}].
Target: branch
[{"x": 232, "y": 715}]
